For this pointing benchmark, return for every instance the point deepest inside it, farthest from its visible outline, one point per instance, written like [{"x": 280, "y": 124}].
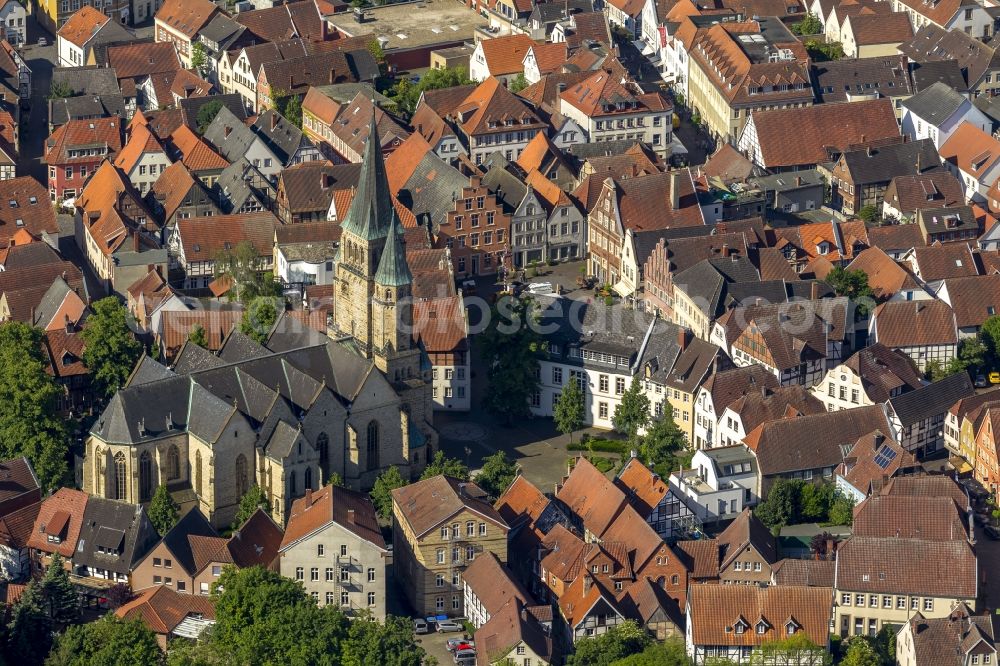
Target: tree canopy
[
  {"x": 29, "y": 632},
  {"x": 810, "y": 25},
  {"x": 406, "y": 94},
  {"x": 632, "y": 412},
  {"x": 60, "y": 598},
  {"x": 442, "y": 464},
  {"x": 263, "y": 618},
  {"x": 568, "y": 413},
  {"x": 669, "y": 653},
  {"x": 255, "y": 498},
  {"x": 854, "y": 285},
  {"x": 619, "y": 642},
  {"x": 259, "y": 318},
  {"x": 662, "y": 440},
  {"x": 496, "y": 474},
  {"x": 109, "y": 641},
  {"x": 510, "y": 345},
  {"x": 29, "y": 421},
  {"x": 860, "y": 653},
  {"x": 60, "y": 90},
  {"x": 790, "y": 502},
  {"x": 206, "y": 114},
  {"x": 163, "y": 510},
  {"x": 244, "y": 267},
  {"x": 381, "y": 492},
  {"x": 198, "y": 336},
  {"x": 111, "y": 349},
  {"x": 199, "y": 57}
]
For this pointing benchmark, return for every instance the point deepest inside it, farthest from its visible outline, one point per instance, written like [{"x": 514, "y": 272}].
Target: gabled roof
[
  {"x": 24, "y": 205},
  {"x": 935, "y": 44},
  {"x": 901, "y": 324},
  {"x": 490, "y": 106},
  {"x": 509, "y": 626},
  {"x": 295, "y": 19},
  {"x": 82, "y": 26},
  {"x": 746, "y": 530},
  {"x": 430, "y": 502},
  {"x": 883, "y": 370},
  {"x": 928, "y": 486},
  {"x": 727, "y": 386},
  {"x": 591, "y": 496},
  {"x": 880, "y": 164},
  {"x": 440, "y": 324},
  {"x": 910, "y": 193},
  {"x": 82, "y": 135},
  {"x": 941, "y": 12},
  {"x": 893, "y": 565},
  {"x": 974, "y": 299},
  {"x": 935, "y": 104},
  {"x": 114, "y": 536},
  {"x": 140, "y": 143},
  {"x": 823, "y": 130},
  {"x": 907, "y": 517},
  {"x": 949, "y": 641},
  {"x": 202, "y": 238},
  {"x": 940, "y": 262},
  {"x": 715, "y": 610},
  {"x": 971, "y": 150},
  {"x": 931, "y": 401},
  {"x": 134, "y": 61},
  {"x": 186, "y": 16},
  {"x": 194, "y": 152},
  {"x": 347, "y": 508},
  {"x": 505, "y": 55},
  {"x": 162, "y": 609},
  {"x": 61, "y": 517},
  {"x": 810, "y": 573},
  {"x": 870, "y": 29},
  {"x": 493, "y": 583},
  {"x": 885, "y": 276},
  {"x": 603, "y": 92}
]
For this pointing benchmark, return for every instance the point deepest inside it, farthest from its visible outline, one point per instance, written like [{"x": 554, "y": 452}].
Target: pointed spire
[
  {"x": 393, "y": 271},
  {"x": 371, "y": 210}
]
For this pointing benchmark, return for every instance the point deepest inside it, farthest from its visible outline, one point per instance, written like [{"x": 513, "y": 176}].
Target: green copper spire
[
  {"x": 393, "y": 271},
  {"x": 371, "y": 210}
]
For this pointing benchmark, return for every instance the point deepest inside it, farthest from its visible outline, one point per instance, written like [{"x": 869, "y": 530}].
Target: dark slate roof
[
  {"x": 122, "y": 530},
  {"x": 393, "y": 271},
  {"x": 933, "y": 399},
  {"x": 834, "y": 81},
  {"x": 949, "y": 72},
  {"x": 882, "y": 164},
  {"x": 508, "y": 188},
  {"x": 88, "y": 80},
  {"x": 362, "y": 64},
  {"x": 240, "y": 137},
  {"x": 990, "y": 106},
  {"x": 62, "y": 110},
  {"x": 221, "y": 29},
  {"x": 176, "y": 540},
  {"x": 935, "y": 104},
  {"x": 234, "y": 187},
  {"x": 283, "y": 138},
  {"x": 372, "y": 212},
  {"x": 549, "y": 12},
  {"x": 148, "y": 370},
  {"x": 190, "y": 107},
  {"x": 708, "y": 281},
  {"x": 432, "y": 189}
]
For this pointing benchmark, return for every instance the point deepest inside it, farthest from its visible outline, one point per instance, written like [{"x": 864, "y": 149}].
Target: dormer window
[
  {"x": 761, "y": 627},
  {"x": 740, "y": 626},
  {"x": 791, "y": 627}
]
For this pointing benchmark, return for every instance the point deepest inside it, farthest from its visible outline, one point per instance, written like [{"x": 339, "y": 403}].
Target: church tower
[
  {"x": 393, "y": 347},
  {"x": 362, "y": 243}
]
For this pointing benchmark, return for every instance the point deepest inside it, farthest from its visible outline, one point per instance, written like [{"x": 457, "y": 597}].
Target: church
[{"x": 290, "y": 413}]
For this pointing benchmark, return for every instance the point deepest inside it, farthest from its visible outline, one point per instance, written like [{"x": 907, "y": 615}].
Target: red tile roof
[
  {"x": 505, "y": 55},
  {"x": 195, "y": 152},
  {"x": 333, "y": 504},
  {"x": 82, "y": 25},
  {"x": 915, "y": 324},
  {"x": 186, "y": 17},
  {"x": 440, "y": 324},
  {"x": 202, "y": 238},
  {"x": 132, "y": 61},
  {"x": 821, "y": 130},
  {"x": 99, "y": 133},
  {"x": 716, "y": 609},
  {"x": 36, "y": 218},
  {"x": 61, "y": 515},
  {"x": 971, "y": 150},
  {"x": 161, "y": 608}
]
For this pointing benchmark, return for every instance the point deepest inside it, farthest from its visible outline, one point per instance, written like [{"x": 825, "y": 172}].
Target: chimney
[
  {"x": 309, "y": 496},
  {"x": 350, "y": 516},
  {"x": 798, "y": 181},
  {"x": 274, "y": 120},
  {"x": 814, "y": 291},
  {"x": 326, "y": 180},
  {"x": 333, "y": 76},
  {"x": 67, "y": 324},
  {"x": 135, "y": 241},
  {"x": 682, "y": 338},
  {"x": 877, "y": 441},
  {"x": 725, "y": 249},
  {"x": 586, "y": 583},
  {"x": 675, "y": 189}
]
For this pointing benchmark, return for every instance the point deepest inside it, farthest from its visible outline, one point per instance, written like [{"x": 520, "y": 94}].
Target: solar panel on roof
[{"x": 885, "y": 456}]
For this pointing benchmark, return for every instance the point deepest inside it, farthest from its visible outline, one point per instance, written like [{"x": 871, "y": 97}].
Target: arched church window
[
  {"x": 121, "y": 478},
  {"x": 173, "y": 462},
  {"x": 323, "y": 444},
  {"x": 373, "y": 445},
  {"x": 145, "y": 476}
]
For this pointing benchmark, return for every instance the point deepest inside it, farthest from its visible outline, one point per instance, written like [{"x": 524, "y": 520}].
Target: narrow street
[{"x": 34, "y": 130}]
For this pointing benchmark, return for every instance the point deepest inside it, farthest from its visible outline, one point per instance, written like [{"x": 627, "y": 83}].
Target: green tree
[
  {"x": 510, "y": 347},
  {"x": 290, "y": 108},
  {"x": 29, "y": 631},
  {"x": 869, "y": 213},
  {"x": 815, "y": 501},
  {"x": 378, "y": 53},
  {"x": 206, "y": 114},
  {"x": 860, "y": 653},
  {"x": 810, "y": 25},
  {"x": 118, "y": 595},
  {"x": 824, "y": 52},
  {"x": 854, "y": 285},
  {"x": 163, "y": 510},
  {"x": 496, "y": 473},
  {"x": 796, "y": 649},
  {"x": 60, "y": 597},
  {"x": 442, "y": 464},
  {"x": 782, "y": 504},
  {"x": 518, "y": 83},
  {"x": 989, "y": 335},
  {"x": 244, "y": 267},
  {"x": 669, "y": 653},
  {"x": 110, "y": 642},
  {"x": 259, "y": 318},
  {"x": 391, "y": 641},
  {"x": 255, "y": 498},
  {"x": 199, "y": 58},
  {"x": 620, "y": 641},
  {"x": 111, "y": 349},
  {"x": 29, "y": 421},
  {"x": 662, "y": 440},
  {"x": 406, "y": 94},
  {"x": 381, "y": 492},
  {"x": 841, "y": 510},
  {"x": 60, "y": 90},
  {"x": 198, "y": 336},
  {"x": 632, "y": 412},
  {"x": 568, "y": 412}
]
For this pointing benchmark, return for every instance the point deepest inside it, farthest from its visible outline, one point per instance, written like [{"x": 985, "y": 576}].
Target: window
[
  {"x": 329, "y": 598},
  {"x": 314, "y": 574},
  {"x": 602, "y": 410},
  {"x": 440, "y": 555},
  {"x": 157, "y": 562},
  {"x": 371, "y": 598},
  {"x": 319, "y": 550},
  {"x": 343, "y": 551},
  {"x": 345, "y": 575},
  {"x": 439, "y": 580},
  {"x": 373, "y": 445},
  {"x": 456, "y": 602},
  {"x": 482, "y": 529},
  {"x": 886, "y": 601},
  {"x": 203, "y": 588},
  {"x": 217, "y": 571},
  {"x": 329, "y": 574},
  {"x": 619, "y": 385},
  {"x": 345, "y": 599},
  {"x": 181, "y": 586},
  {"x": 603, "y": 380},
  {"x": 557, "y": 377},
  {"x": 859, "y": 600},
  {"x": 444, "y": 532},
  {"x": 300, "y": 573},
  {"x": 470, "y": 552},
  {"x": 928, "y": 604},
  {"x": 371, "y": 574},
  {"x": 845, "y": 600},
  {"x": 737, "y": 566},
  {"x": 470, "y": 529},
  {"x": 439, "y": 603}
]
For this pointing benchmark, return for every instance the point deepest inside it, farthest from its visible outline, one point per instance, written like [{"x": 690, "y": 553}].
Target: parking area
[{"x": 436, "y": 646}]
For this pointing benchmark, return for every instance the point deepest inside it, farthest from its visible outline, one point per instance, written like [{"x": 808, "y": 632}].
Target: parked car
[
  {"x": 981, "y": 381},
  {"x": 42, "y": 41},
  {"x": 422, "y": 627},
  {"x": 994, "y": 377},
  {"x": 465, "y": 657},
  {"x": 540, "y": 288},
  {"x": 446, "y": 626},
  {"x": 469, "y": 287},
  {"x": 463, "y": 643},
  {"x": 992, "y": 532}
]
